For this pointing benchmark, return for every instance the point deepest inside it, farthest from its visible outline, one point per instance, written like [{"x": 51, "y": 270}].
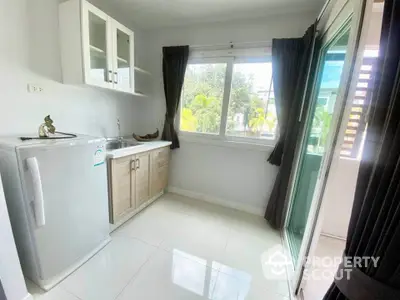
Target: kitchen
[{"x": 159, "y": 223}]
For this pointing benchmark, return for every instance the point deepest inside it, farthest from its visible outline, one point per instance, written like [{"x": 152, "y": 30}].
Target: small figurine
[{"x": 46, "y": 128}]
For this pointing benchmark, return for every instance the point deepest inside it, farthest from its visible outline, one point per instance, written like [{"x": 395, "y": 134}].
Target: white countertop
[{"x": 143, "y": 147}]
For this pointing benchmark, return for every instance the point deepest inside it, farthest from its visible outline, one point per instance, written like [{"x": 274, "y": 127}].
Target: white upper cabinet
[{"x": 95, "y": 49}]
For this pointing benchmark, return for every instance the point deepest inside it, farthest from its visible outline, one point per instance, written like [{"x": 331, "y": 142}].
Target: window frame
[{"x": 222, "y": 138}]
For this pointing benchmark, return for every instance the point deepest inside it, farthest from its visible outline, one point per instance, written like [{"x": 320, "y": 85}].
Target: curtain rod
[{"x": 257, "y": 44}]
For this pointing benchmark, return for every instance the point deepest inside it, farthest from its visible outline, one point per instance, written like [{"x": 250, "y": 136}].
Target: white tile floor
[
  {"x": 178, "y": 248},
  {"x": 330, "y": 249}
]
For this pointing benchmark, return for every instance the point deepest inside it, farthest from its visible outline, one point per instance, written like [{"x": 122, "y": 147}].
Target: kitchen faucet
[{"x": 119, "y": 128}]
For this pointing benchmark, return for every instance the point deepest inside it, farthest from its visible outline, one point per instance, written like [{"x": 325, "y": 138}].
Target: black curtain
[
  {"x": 174, "y": 67},
  {"x": 2, "y": 293},
  {"x": 290, "y": 64},
  {"x": 374, "y": 228}
]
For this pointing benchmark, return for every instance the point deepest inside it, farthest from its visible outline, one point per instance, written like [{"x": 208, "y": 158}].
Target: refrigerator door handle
[{"x": 38, "y": 203}]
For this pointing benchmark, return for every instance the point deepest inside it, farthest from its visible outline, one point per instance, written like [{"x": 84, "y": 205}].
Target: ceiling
[{"x": 162, "y": 13}]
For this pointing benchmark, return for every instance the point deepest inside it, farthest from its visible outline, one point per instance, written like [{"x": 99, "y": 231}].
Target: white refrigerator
[{"x": 57, "y": 196}]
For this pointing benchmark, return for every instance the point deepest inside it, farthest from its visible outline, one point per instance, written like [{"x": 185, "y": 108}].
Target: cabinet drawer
[{"x": 161, "y": 157}]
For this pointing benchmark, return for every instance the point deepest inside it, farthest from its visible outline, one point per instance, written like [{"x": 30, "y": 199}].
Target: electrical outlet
[{"x": 33, "y": 88}]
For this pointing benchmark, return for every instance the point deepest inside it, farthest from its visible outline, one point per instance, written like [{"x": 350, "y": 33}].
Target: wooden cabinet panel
[
  {"x": 142, "y": 178},
  {"x": 159, "y": 170},
  {"x": 161, "y": 156},
  {"x": 120, "y": 187},
  {"x": 160, "y": 179}
]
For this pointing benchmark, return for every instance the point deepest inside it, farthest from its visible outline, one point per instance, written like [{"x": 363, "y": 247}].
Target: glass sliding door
[{"x": 318, "y": 128}]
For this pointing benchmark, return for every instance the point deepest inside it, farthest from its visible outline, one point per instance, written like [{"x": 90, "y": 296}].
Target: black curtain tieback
[{"x": 356, "y": 285}]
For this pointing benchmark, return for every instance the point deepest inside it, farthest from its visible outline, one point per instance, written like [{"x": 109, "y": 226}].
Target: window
[
  {"x": 202, "y": 96},
  {"x": 229, "y": 99},
  {"x": 251, "y": 111}
]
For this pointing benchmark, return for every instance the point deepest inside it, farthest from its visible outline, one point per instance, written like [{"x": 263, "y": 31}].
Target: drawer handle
[
  {"x": 138, "y": 163},
  {"x": 133, "y": 162}
]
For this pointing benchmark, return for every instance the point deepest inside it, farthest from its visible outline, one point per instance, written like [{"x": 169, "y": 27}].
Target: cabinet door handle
[
  {"x": 138, "y": 163},
  {"x": 109, "y": 76},
  {"x": 133, "y": 162},
  {"x": 116, "y": 77}
]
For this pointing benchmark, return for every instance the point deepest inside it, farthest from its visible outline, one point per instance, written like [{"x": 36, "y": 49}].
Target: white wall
[
  {"x": 339, "y": 197},
  {"x": 29, "y": 53},
  {"x": 11, "y": 276},
  {"x": 240, "y": 177}
]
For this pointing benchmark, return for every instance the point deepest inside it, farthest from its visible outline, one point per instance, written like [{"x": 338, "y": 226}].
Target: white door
[
  {"x": 340, "y": 33},
  {"x": 123, "y": 58},
  {"x": 97, "y": 46}
]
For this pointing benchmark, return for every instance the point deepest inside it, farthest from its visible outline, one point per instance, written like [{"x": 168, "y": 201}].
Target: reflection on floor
[
  {"x": 327, "y": 258},
  {"x": 179, "y": 248}
]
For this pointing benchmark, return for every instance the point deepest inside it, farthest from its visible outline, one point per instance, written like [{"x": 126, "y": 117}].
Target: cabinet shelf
[
  {"x": 120, "y": 59},
  {"x": 142, "y": 71},
  {"x": 97, "y": 50}
]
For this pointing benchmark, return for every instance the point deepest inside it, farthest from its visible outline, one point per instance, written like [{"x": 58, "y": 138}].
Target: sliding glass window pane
[
  {"x": 251, "y": 111},
  {"x": 202, "y": 96}
]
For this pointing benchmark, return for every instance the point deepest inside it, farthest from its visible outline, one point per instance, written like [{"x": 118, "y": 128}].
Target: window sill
[{"x": 218, "y": 141}]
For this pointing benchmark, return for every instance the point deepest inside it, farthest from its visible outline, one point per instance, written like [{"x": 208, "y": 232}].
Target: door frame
[
  {"x": 345, "y": 110},
  {"x": 339, "y": 13},
  {"x": 324, "y": 168}
]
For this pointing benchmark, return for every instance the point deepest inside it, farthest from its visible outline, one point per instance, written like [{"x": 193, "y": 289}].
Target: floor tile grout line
[
  {"x": 215, "y": 285},
  {"x": 57, "y": 286},
  {"x": 137, "y": 239},
  {"x": 70, "y": 293},
  {"x": 136, "y": 273}
]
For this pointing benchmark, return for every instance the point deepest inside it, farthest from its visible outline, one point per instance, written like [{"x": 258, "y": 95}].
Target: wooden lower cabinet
[{"x": 135, "y": 179}]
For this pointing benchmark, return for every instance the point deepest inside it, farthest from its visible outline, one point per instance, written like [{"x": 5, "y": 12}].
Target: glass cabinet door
[
  {"x": 123, "y": 72},
  {"x": 97, "y": 50}
]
